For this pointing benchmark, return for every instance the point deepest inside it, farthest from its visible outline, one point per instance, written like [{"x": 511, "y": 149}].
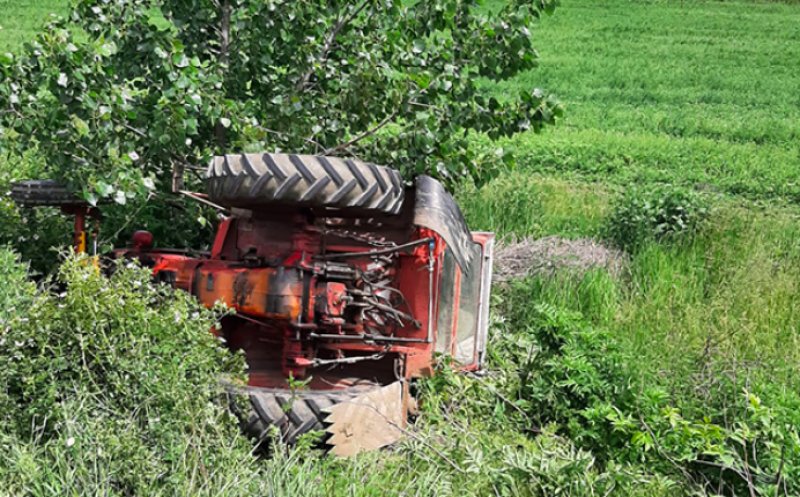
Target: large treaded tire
[
  {"x": 249, "y": 180},
  {"x": 292, "y": 414},
  {"x": 38, "y": 193}
]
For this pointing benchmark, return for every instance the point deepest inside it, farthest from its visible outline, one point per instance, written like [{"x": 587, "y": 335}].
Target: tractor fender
[{"x": 435, "y": 209}]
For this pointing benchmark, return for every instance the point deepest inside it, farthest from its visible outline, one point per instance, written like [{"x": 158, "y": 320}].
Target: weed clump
[{"x": 655, "y": 213}]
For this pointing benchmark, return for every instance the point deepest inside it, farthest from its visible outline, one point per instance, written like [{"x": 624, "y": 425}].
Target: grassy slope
[
  {"x": 705, "y": 94},
  {"x": 694, "y": 92}
]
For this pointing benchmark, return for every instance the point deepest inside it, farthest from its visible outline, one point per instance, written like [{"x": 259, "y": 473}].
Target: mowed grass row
[
  {"x": 699, "y": 93},
  {"x": 21, "y": 20}
]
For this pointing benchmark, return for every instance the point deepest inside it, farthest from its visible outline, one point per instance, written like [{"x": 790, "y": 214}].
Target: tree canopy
[{"x": 125, "y": 96}]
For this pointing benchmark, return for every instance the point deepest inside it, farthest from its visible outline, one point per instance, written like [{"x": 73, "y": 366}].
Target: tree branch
[
  {"x": 663, "y": 454},
  {"x": 779, "y": 474},
  {"x": 338, "y": 148},
  {"x": 328, "y": 46},
  {"x": 286, "y": 136}
]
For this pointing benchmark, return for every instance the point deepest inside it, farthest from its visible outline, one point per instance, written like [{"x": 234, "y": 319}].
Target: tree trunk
[{"x": 220, "y": 132}]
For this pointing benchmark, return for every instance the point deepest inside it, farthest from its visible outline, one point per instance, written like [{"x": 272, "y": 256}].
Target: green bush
[
  {"x": 755, "y": 451},
  {"x": 578, "y": 379},
  {"x": 16, "y": 292},
  {"x": 566, "y": 367},
  {"x": 110, "y": 385},
  {"x": 656, "y": 213}
]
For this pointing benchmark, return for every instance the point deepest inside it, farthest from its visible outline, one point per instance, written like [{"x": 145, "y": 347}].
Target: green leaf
[
  {"x": 120, "y": 197},
  {"x": 107, "y": 49},
  {"x": 80, "y": 126},
  {"x": 104, "y": 189},
  {"x": 180, "y": 60}
]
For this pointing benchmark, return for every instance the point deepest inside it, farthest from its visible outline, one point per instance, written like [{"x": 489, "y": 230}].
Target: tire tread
[{"x": 246, "y": 180}]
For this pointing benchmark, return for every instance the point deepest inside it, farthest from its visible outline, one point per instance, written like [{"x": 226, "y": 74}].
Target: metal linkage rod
[{"x": 371, "y": 253}]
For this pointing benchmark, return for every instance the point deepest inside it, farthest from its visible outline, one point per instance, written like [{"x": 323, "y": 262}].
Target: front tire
[{"x": 41, "y": 193}]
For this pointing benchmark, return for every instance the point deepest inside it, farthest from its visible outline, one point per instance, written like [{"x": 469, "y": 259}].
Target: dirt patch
[{"x": 544, "y": 256}]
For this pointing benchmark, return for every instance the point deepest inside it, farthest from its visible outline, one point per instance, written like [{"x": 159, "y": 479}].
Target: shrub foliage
[
  {"x": 110, "y": 385},
  {"x": 576, "y": 379},
  {"x": 655, "y": 213}
]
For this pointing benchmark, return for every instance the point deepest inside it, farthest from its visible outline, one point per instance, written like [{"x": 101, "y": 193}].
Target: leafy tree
[{"x": 125, "y": 96}]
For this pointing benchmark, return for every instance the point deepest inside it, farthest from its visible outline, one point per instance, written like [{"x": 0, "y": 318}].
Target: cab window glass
[
  {"x": 444, "y": 322},
  {"x": 467, "y": 327}
]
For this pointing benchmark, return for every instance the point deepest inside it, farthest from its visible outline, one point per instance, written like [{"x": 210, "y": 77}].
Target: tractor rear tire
[
  {"x": 252, "y": 180},
  {"x": 284, "y": 413},
  {"x": 39, "y": 193}
]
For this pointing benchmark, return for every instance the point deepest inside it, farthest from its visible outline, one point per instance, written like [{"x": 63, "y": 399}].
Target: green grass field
[
  {"x": 21, "y": 19},
  {"x": 699, "y": 94},
  {"x": 689, "y": 92}
]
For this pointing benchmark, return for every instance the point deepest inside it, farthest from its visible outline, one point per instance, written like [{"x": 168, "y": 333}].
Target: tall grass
[
  {"x": 520, "y": 204},
  {"x": 729, "y": 295}
]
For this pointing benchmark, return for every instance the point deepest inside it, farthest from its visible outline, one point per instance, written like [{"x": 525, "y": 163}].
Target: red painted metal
[
  {"x": 142, "y": 240},
  {"x": 80, "y": 212},
  {"x": 304, "y": 311}
]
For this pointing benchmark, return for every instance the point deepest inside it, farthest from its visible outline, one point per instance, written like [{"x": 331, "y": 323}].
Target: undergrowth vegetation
[
  {"x": 110, "y": 386},
  {"x": 688, "y": 362},
  {"x": 660, "y": 213}
]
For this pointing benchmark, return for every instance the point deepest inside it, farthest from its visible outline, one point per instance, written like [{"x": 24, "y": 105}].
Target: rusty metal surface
[
  {"x": 274, "y": 293},
  {"x": 436, "y": 210}
]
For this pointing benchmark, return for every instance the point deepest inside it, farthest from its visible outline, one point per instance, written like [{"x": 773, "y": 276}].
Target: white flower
[{"x": 70, "y": 442}]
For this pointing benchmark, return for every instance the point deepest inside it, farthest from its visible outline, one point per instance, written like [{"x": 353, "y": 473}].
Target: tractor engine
[{"x": 313, "y": 297}]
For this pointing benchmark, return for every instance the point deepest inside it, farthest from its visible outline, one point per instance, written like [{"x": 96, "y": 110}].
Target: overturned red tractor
[{"x": 344, "y": 280}]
